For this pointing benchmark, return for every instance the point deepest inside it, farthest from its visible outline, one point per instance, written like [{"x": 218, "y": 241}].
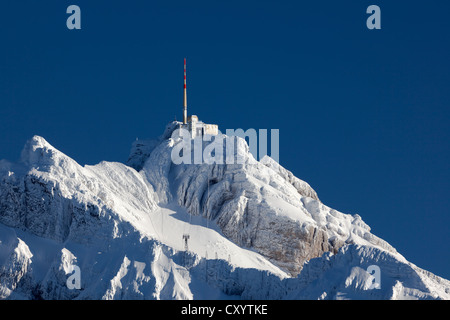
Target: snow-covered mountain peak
[
  {"x": 38, "y": 152},
  {"x": 255, "y": 231},
  {"x": 257, "y": 204},
  {"x": 37, "y": 142},
  {"x": 35, "y": 149}
]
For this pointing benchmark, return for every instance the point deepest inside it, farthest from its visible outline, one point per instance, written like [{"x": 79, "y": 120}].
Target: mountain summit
[{"x": 152, "y": 229}]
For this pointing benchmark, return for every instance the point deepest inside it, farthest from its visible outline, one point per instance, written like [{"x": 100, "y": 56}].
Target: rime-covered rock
[{"x": 256, "y": 232}]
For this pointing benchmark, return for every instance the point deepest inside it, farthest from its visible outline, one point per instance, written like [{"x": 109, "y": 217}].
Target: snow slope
[{"x": 256, "y": 232}]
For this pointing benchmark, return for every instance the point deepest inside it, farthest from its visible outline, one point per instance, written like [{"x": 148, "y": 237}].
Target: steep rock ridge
[
  {"x": 235, "y": 196},
  {"x": 302, "y": 187},
  {"x": 123, "y": 228},
  {"x": 52, "y": 196},
  {"x": 97, "y": 217},
  {"x": 258, "y": 205}
]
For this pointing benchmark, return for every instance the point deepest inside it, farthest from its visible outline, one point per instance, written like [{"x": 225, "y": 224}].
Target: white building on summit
[
  {"x": 199, "y": 128},
  {"x": 191, "y": 123}
]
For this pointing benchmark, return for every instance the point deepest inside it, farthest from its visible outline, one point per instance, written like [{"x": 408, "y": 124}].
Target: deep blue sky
[{"x": 363, "y": 114}]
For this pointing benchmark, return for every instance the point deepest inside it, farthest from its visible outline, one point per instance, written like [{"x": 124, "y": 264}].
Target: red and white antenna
[{"x": 185, "y": 96}]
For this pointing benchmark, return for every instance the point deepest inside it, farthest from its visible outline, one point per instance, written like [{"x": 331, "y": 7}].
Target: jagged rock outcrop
[{"x": 15, "y": 269}]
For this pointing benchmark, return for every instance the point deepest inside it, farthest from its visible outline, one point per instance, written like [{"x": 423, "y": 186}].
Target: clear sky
[{"x": 363, "y": 114}]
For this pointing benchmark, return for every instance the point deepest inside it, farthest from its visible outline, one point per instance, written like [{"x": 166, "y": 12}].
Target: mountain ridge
[{"x": 125, "y": 223}]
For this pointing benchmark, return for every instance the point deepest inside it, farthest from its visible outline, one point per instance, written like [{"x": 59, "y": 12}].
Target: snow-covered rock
[
  {"x": 345, "y": 275},
  {"x": 257, "y": 205},
  {"x": 256, "y": 232}
]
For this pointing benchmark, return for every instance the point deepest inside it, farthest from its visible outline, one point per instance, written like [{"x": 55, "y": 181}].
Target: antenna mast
[{"x": 185, "y": 96}]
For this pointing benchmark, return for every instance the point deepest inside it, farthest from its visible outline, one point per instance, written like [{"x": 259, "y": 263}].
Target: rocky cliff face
[
  {"x": 271, "y": 236},
  {"x": 258, "y": 205}
]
